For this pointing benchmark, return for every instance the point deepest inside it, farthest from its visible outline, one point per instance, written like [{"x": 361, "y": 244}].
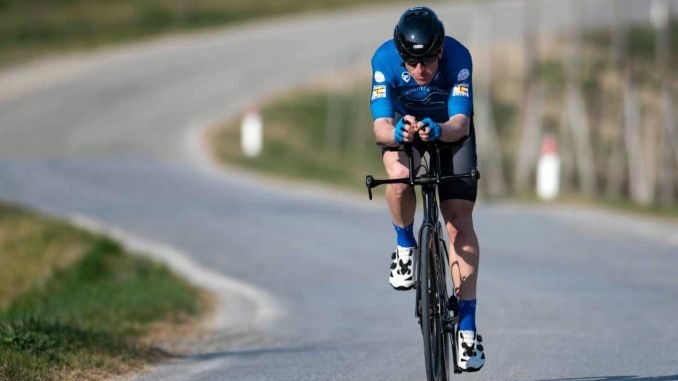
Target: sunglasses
[{"x": 428, "y": 60}]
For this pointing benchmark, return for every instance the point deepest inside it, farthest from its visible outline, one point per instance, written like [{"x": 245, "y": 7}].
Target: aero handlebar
[{"x": 426, "y": 179}]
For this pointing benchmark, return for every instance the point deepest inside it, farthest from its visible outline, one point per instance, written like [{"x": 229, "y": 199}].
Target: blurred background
[
  {"x": 596, "y": 93},
  {"x": 591, "y": 81},
  {"x": 112, "y": 114}
]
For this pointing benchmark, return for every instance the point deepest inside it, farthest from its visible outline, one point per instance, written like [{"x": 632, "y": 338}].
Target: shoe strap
[
  {"x": 468, "y": 335},
  {"x": 404, "y": 251}
]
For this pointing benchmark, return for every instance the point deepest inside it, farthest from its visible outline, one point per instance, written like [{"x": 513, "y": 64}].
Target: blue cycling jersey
[{"x": 395, "y": 91}]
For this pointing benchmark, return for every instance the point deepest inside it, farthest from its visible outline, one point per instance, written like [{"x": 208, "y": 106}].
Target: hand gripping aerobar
[
  {"x": 401, "y": 126},
  {"x": 400, "y": 130},
  {"x": 435, "y": 130}
]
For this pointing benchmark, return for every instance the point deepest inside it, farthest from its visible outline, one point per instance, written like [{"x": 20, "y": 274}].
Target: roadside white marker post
[
  {"x": 659, "y": 13},
  {"x": 251, "y": 133},
  {"x": 548, "y": 169}
]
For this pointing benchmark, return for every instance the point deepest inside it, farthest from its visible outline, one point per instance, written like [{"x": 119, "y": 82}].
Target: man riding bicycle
[{"x": 421, "y": 91}]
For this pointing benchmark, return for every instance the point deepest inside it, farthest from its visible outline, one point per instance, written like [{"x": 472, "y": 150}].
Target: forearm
[
  {"x": 384, "y": 131},
  {"x": 456, "y": 128}
]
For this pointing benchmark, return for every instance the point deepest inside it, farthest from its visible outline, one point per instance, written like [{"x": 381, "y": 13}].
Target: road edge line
[{"x": 266, "y": 309}]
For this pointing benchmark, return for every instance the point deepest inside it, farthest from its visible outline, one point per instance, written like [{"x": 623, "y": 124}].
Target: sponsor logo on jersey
[
  {"x": 424, "y": 98},
  {"x": 379, "y": 77},
  {"x": 406, "y": 76},
  {"x": 431, "y": 101},
  {"x": 460, "y": 90},
  {"x": 414, "y": 90},
  {"x": 378, "y": 91},
  {"x": 463, "y": 74}
]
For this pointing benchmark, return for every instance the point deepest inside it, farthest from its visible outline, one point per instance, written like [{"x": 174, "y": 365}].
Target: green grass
[
  {"x": 640, "y": 57},
  {"x": 296, "y": 144},
  {"x": 641, "y": 40},
  {"x": 29, "y": 28},
  {"x": 32, "y": 248},
  {"x": 86, "y": 317}
]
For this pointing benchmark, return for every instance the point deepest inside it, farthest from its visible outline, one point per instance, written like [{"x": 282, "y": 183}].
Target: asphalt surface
[{"x": 563, "y": 294}]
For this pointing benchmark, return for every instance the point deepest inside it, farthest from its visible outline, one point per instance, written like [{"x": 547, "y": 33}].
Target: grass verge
[
  {"x": 301, "y": 142},
  {"x": 323, "y": 134},
  {"x": 29, "y": 28},
  {"x": 77, "y": 306}
]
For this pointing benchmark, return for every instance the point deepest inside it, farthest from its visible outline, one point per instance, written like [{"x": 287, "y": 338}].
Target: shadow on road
[{"x": 617, "y": 378}]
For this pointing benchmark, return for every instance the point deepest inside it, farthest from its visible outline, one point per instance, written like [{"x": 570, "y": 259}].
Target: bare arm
[
  {"x": 456, "y": 128},
  {"x": 383, "y": 131}
]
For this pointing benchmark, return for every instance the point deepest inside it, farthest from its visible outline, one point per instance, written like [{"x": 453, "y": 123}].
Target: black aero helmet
[{"x": 419, "y": 33}]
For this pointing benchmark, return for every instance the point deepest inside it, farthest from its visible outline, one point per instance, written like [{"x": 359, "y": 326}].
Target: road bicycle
[{"x": 436, "y": 312}]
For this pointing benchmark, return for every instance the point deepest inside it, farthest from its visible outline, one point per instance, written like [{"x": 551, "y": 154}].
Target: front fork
[
  {"x": 447, "y": 309},
  {"x": 431, "y": 219}
]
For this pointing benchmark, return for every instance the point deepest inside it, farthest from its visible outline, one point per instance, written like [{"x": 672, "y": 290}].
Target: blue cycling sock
[
  {"x": 405, "y": 235},
  {"x": 467, "y": 315}
]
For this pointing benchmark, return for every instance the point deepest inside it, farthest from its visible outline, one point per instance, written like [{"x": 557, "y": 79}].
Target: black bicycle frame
[{"x": 429, "y": 182}]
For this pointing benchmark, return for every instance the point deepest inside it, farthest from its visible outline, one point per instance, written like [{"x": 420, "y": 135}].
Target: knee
[
  {"x": 398, "y": 172},
  {"x": 459, "y": 222},
  {"x": 400, "y": 190}
]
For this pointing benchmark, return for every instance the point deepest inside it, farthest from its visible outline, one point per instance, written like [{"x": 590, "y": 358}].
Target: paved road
[{"x": 564, "y": 294}]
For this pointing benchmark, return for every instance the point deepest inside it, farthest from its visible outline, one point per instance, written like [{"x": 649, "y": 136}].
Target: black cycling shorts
[{"x": 459, "y": 161}]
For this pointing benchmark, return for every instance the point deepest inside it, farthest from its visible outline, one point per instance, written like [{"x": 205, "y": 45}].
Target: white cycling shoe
[
  {"x": 402, "y": 268},
  {"x": 470, "y": 351}
]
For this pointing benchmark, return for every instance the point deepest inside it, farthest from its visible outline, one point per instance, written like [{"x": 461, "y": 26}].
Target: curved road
[{"x": 564, "y": 294}]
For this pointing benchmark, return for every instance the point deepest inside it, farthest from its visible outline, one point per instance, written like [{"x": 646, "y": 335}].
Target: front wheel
[{"x": 436, "y": 351}]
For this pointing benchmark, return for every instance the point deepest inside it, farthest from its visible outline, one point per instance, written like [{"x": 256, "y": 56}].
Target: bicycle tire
[
  {"x": 451, "y": 343},
  {"x": 443, "y": 298},
  {"x": 432, "y": 330}
]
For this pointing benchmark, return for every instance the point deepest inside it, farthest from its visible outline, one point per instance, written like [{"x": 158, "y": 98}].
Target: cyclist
[{"x": 421, "y": 91}]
